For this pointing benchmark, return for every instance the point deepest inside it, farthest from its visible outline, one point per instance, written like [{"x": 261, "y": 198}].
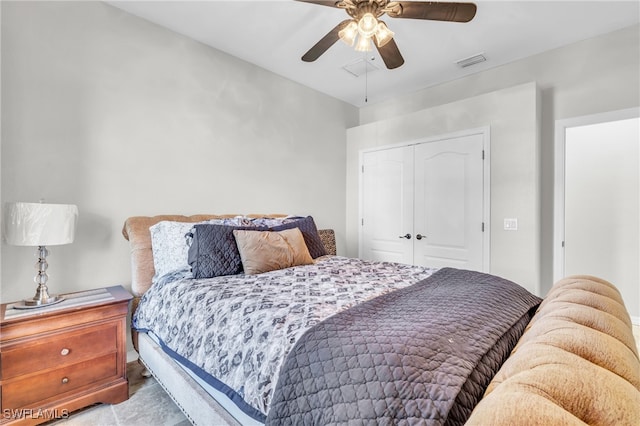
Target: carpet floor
[{"x": 148, "y": 404}]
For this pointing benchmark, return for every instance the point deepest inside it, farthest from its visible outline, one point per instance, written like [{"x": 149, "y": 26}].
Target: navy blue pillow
[
  {"x": 213, "y": 251},
  {"x": 310, "y": 233}
]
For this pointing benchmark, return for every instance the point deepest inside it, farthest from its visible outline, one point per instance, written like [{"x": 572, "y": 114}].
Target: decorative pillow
[
  {"x": 170, "y": 243},
  {"x": 169, "y": 246},
  {"x": 231, "y": 221},
  {"x": 264, "y": 251},
  {"x": 309, "y": 232},
  {"x": 213, "y": 251},
  {"x": 270, "y": 222}
]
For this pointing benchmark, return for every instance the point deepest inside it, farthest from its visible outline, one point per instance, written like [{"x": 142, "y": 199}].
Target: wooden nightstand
[{"x": 60, "y": 358}]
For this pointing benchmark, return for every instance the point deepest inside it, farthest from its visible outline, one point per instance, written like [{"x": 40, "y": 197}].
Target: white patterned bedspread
[{"x": 240, "y": 328}]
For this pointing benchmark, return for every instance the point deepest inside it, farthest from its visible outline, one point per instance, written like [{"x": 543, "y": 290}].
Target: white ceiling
[{"x": 275, "y": 34}]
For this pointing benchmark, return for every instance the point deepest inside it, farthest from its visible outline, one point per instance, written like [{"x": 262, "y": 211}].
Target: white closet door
[
  {"x": 387, "y": 185},
  {"x": 449, "y": 203}
]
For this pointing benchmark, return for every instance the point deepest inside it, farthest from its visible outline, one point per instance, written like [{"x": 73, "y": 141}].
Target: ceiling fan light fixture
[
  {"x": 349, "y": 33},
  {"x": 383, "y": 34},
  {"x": 365, "y": 14},
  {"x": 364, "y": 44},
  {"x": 367, "y": 25}
]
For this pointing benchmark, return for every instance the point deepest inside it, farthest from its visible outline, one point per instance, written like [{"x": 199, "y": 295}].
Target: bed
[{"x": 303, "y": 336}]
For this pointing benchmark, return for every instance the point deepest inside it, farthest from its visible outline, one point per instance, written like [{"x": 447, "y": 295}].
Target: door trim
[
  {"x": 559, "y": 176},
  {"x": 485, "y": 131}
]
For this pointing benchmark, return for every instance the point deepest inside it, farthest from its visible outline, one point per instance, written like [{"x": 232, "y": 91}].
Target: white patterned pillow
[
  {"x": 170, "y": 247},
  {"x": 272, "y": 221}
]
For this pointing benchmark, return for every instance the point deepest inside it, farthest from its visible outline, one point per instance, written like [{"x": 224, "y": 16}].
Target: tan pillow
[{"x": 264, "y": 251}]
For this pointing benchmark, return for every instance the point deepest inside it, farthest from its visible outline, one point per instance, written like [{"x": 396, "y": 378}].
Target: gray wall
[
  {"x": 122, "y": 117},
  {"x": 105, "y": 110},
  {"x": 589, "y": 77}
]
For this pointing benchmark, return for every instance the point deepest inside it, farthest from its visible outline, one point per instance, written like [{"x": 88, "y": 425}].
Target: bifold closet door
[
  {"x": 387, "y": 222},
  {"x": 448, "y": 203},
  {"x": 423, "y": 204}
]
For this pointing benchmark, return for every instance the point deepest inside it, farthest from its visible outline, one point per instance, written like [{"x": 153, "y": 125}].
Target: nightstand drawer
[
  {"x": 59, "y": 350},
  {"x": 36, "y": 388},
  {"x": 66, "y": 356}
]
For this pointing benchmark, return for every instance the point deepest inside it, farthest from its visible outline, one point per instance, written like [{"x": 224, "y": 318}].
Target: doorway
[{"x": 597, "y": 191}]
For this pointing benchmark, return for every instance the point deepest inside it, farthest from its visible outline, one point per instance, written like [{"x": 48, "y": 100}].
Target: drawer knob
[
  {"x": 65, "y": 380},
  {"x": 64, "y": 351}
]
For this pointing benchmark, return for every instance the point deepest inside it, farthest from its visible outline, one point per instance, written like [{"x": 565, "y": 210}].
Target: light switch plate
[{"x": 511, "y": 224}]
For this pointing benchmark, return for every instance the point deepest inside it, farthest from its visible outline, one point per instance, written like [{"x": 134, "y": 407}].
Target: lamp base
[
  {"x": 38, "y": 303},
  {"x": 42, "y": 297}
]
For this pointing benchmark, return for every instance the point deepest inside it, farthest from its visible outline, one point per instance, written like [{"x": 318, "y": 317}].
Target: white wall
[
  {"x": 1, "y": 132},
  {"x": 589, "y": 77},
  {"x": 512, "y": 115},
  {"x": 122, "y": 117},
  {"x": 96, "y": 101},
  {"x": 601, "y": 208}
]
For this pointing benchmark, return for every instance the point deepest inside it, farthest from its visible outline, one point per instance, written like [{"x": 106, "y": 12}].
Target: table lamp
[{"x": 39, "y": 225}]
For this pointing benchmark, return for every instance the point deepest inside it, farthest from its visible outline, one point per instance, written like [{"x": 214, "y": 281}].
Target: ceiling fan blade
[
  {"x": 390, "y": 54},
  {"x": 321, "y": 3},
  {"x": 435, "y": 11},
  {"x": 325, "y": 42}
]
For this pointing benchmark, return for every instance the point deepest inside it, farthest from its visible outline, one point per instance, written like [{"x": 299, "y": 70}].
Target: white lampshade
[
  {"x": 363, "y": 44},
  {"x": 383, "y": 34},
  {"x": 349, "y": 33},
  {"x": 39, "y": 224},
  {"x": 367, "y": 25}
]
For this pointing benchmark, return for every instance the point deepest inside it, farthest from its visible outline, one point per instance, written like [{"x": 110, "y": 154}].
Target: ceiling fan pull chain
[{"x": 366, "y": 78}]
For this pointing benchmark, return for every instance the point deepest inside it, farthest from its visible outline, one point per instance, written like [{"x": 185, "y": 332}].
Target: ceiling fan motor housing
[{"x": 358, "y": 8}]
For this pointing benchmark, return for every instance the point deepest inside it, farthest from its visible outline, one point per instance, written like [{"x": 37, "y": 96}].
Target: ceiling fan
[{"x": 365, "y": 25}]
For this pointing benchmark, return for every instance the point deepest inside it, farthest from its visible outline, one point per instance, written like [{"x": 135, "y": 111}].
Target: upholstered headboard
[{"x": 136, "y": 231}]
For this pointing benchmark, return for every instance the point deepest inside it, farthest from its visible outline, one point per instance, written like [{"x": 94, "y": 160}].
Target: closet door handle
[
  {"x": 407, "y": 236},
  {"x": 419, "y": 237}
]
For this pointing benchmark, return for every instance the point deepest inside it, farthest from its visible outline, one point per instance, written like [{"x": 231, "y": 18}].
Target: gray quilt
[
  {"x": 235, "y": 331},
  {"x": 420, "y": 355}
]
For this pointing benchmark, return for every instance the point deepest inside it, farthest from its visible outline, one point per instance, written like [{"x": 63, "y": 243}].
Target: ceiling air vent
[
  {"x": 359, "y": 67},
  {"x": 471, "y": 60}
]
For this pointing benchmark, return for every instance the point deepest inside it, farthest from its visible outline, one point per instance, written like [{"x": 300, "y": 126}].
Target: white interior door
[
  {"x": 448, "y": 212},
  {"x": 387, "y": 186},
  {"x": 425, "y": 203}
]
